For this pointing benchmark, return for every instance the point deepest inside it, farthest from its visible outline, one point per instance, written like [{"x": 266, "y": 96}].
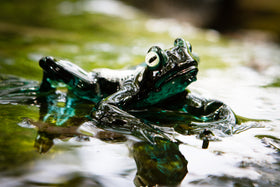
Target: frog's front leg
[
  {"x": 206, "y": 113},
  {"x": 215, "y": 118},
  {"x": 110, "y": 115},
  {"x": 203, "y": 110},
  {"x": 209, "y": 111},
  {"x": 208, "y": 117}
]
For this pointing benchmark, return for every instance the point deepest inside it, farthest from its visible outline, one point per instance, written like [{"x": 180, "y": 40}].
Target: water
[{"x": 242, "y": 73}]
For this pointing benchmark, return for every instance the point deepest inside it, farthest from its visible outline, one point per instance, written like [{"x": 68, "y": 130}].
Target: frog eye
[{"x": 152, "y": 59}]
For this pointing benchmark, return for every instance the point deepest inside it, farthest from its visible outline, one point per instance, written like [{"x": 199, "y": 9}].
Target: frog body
[{"x": 160, "y": 83}]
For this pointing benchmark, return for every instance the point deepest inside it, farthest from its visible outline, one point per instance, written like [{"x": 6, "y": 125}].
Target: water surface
[{"x": 242, "y": 73}]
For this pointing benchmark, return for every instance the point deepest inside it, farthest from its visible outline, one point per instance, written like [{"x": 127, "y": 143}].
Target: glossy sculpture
[{"x": 138, "y": 101}]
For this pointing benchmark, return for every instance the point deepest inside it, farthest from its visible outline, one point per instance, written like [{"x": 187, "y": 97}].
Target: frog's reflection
[{"x": 159, "y": 163}]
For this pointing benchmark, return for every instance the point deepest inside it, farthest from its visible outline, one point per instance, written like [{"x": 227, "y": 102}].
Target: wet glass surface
[{"x": 242, "y": 73}]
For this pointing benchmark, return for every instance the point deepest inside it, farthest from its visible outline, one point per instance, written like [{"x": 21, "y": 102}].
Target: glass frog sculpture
[{"x": 142, "y": 100}]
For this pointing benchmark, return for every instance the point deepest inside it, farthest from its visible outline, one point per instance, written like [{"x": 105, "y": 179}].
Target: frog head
[{"x": 172, "y": 70}]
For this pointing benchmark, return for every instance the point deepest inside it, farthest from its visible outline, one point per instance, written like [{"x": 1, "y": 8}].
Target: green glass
[
  {"x": 130, "y": 101},
  {"x": 159, "y": 164}
]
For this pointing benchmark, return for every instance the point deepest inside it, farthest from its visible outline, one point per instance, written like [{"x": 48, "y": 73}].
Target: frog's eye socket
[
  {"x": 180, "y": 42},
  {"x": 152, "y": 59}
]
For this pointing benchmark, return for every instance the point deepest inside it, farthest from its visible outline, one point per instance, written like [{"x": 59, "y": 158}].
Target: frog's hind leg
[
  {"x": 80, "y": 82},
  {"x": 46, "y": 85}
]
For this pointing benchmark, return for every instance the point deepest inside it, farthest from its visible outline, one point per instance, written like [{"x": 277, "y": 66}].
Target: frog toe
[{"x": 46, "y": 61}]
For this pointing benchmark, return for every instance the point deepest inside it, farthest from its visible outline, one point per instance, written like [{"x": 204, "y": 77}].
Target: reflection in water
[
  {"x": 161, "y": 163},
  {"x": 74, "y": 179}
]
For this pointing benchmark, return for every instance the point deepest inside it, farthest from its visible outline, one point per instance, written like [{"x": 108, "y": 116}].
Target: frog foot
[{"x": 206, "y": 135}]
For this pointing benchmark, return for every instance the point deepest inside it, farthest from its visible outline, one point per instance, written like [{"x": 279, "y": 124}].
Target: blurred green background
[{"x": 112, "y": 34}]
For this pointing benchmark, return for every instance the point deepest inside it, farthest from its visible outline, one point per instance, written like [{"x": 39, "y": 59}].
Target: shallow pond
[{"x": 242, "y": 73}]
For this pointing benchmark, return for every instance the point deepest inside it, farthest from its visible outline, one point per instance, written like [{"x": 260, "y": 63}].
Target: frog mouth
[{"x": 186, "y": 74}]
